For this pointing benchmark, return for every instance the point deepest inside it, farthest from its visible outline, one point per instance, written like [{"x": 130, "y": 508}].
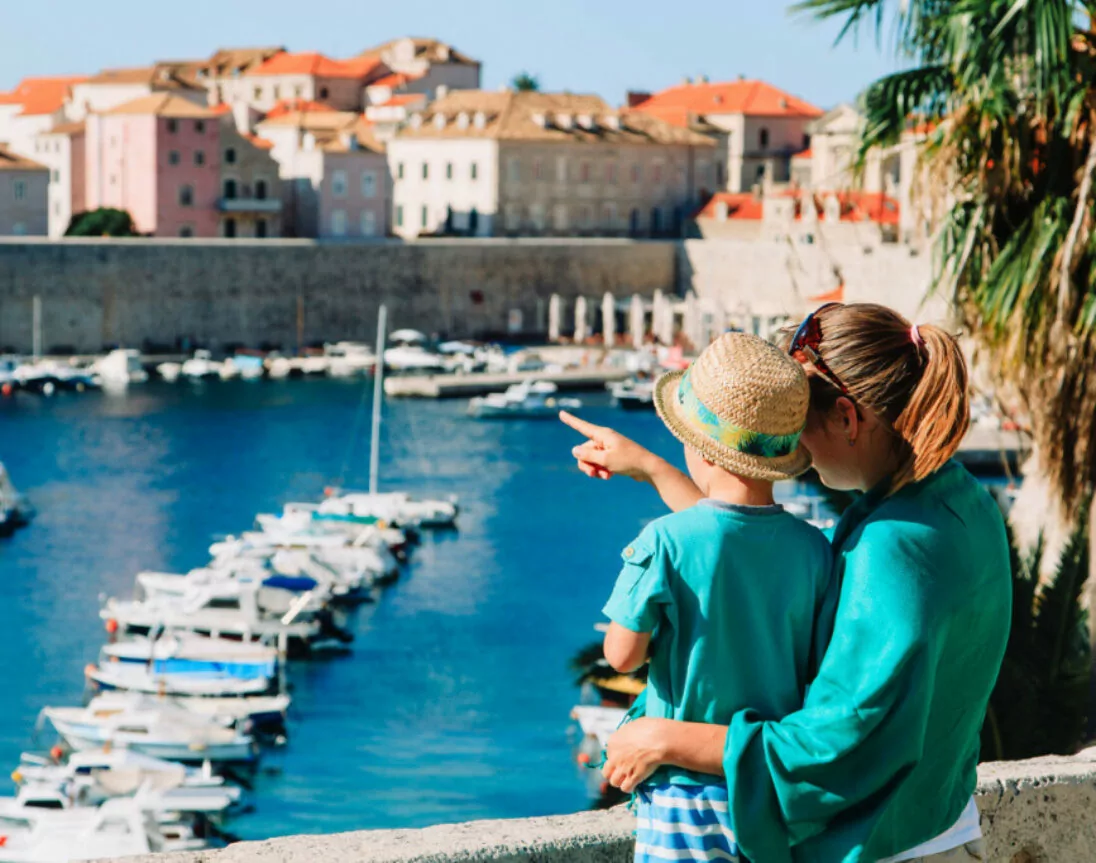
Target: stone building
[
  {"x": 539, "y": 164},
  {"x": 420, "y": 66},
  {"x": 62, "y": 149},
  {"x": 24, "y": 195},
  {"x": 758, "y": 128},
  {"x": 251, "y": 190}
]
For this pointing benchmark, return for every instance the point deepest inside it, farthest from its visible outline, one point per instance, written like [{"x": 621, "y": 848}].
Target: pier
[{"x": 477, "y": 383}]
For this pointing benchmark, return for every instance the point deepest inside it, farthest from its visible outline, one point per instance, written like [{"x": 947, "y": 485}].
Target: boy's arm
[{"x": 625, "y": 650}]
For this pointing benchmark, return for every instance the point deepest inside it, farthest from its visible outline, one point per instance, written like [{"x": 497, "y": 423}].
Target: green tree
[
  {"x": 104, "y": 222},
  {"x": 524, "y": 82}
]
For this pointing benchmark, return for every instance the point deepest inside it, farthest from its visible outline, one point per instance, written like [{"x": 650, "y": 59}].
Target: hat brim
[{"x": 743, "y": 464}]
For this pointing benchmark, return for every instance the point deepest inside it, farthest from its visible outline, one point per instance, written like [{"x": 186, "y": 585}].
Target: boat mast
[
  {"x": 378, "y": 397},
  {"x": 36, "y": 327}
]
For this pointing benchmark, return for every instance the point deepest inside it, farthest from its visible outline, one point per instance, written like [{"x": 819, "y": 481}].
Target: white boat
[
  {"x": 183, "y": 652},
  {"x": 118, "y": 828},
  {"x": 228, "y": 369},
  {"x": 201, "y": 365},
  {"x": 409, "y": 353},
  {"x": 249, "y": 367},
  {"x": 809, "y": 509},
  {"x": 634, "y": 393},
  {"x": 598, "y": 722},
  {"x": 255, "y": 711},
  {"x": 347, "y": 359},
  {"x": 15, "y": 510},
  {"x": 528, "y": 400},
  {"x": 132, "y": 677},
  {"x": 120, "y": 368},
  {"x": 165, "y": 731},
  {"x": 314, "y": 365},
  {"x": 169, "y": 371},
  {"x": 278, "y": 367},
  {"x": 392, "y": 508}
]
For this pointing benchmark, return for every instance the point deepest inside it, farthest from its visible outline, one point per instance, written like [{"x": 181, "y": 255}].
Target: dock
[{"x": 480, "y": 383}]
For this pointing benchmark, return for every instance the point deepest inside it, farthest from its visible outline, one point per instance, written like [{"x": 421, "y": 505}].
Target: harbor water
[{"x": 454, "y": 702}]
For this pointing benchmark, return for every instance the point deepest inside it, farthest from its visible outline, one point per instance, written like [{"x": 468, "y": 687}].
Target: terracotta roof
[
  {"x": 221, "y": 110},
  {"x": 403, "y": 99},
  {"x": 312, "y": 121},
  {"x": 317, "y": 64},
  {"x": 173, "y": 75},
  {"x": 393, "y": 80},
  {"x": 679, "y": 105},
  {"x": 805, "y": 154},
  {"x": 9, "y": 161},
  {"x": 363, "y": 131},
  {"x": 66, "y": 129},
  {"x": 228, "y": 61},
  {"x": 531, "y": 116},
  {"x": 287, "y": 106},
  {"x": 433, "y": 50},
  {"x": 855, "y": 206},
  {"x": 164, "y": 105},
  {"x": 40, "y": 95},
  {"x": 261, "y": 143}
]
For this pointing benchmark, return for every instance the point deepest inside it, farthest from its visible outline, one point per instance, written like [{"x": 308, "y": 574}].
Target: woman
[{"x": 880, "y": 762}]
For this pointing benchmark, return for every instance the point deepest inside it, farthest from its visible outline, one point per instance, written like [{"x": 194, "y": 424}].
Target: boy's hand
[
  {"x": 608, "y": 453},
  {"x": 634, "y": 752}
]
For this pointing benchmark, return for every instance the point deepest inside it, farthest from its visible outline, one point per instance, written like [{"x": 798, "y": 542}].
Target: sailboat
[{"x": 15, "y": 510}]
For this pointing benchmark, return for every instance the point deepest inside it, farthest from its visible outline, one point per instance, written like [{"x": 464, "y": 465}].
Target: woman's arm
[
  {"x": 607, "y": 453},
  {"x": 639, "y": 748}
]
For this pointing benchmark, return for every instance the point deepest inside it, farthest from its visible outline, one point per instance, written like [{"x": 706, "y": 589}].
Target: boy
[{"x": 730, "y": 598}]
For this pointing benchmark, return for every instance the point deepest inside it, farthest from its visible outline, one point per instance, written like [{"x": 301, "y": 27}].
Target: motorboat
[
  {"x": 187, "y": 653},
  {"x": 120, "y": 368},
  {"x": 132, "y": 677},
  {"x": 396, "y": 508},
  {"x": 201, "y": 365},
  {"x": 121, "y": 827},
  {"x": 409, "y": 353},
  {"x": 164, "y": 731},
  {"x": 48, "y": 376},
  {"x": 15, "y": 510},
  {"x": 259, "y": 712},
  {"x": 249, "y": 367},
  {"x": 634, "y": 393},
  {"x": 347, "y": 359},
  {"x": 169, "y": 371},
  {"x": 598, "y": 722},
  {"x": 228, "y": 369},
  {"x": 528, "y": 400},
  {"x": 278, "y": 367}
]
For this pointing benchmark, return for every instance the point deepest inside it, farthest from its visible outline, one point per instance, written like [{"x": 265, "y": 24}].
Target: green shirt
[
  {"x": 883, "y": 755},
  {"x": 736, "y": 597}
]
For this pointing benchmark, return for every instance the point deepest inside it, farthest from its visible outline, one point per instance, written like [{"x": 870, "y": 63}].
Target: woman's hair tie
[{"x": 915, "y": 337}]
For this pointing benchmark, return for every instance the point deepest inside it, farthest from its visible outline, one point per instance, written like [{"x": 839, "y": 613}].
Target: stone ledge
[{"x": 1038, "y": 811}]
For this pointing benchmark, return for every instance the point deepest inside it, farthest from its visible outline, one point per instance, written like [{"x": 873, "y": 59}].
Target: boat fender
[{"x": 57, "y": 753}]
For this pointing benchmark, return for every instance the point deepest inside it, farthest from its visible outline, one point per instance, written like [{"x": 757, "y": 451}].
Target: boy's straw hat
[{"x": 742, "y": 405}]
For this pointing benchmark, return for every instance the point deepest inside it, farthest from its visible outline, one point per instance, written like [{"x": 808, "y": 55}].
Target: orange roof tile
[
  {"x": 855, "y": 206},
  {"x": 679, "y": 105},
  {"x": 261, "y": 143},
  {"x": 288, "y": 106},
  {"x": 740, "y": 205},
  {"x": 403, "y": 99},
  {"x": 316, "y": 64},
  {"x": 164, "y": 105},
  {"x": 222, "y": 109},
  {"x": 40, "y": 95},
  {"x": 806, "y": 154},
  {"x": 394, "y": 79}
]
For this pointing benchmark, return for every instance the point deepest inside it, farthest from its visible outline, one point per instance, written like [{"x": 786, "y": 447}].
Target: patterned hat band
[{"x": 697, "y": 414}]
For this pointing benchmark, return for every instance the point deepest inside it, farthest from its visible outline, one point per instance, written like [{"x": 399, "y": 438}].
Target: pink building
[{"x": 159, "y": 158}]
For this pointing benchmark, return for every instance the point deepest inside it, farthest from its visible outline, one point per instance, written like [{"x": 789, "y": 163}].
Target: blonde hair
[{"x": 915, "y": 380}]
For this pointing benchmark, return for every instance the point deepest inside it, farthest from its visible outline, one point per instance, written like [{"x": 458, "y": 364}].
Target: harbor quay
[{"x": 1032, "y": 811}]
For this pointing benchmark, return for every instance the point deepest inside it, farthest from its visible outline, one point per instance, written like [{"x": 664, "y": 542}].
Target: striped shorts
[{"x": 684, "y": 822}]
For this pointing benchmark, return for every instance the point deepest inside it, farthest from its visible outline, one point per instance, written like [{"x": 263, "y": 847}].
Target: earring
[{"x": 851, "y": 441}]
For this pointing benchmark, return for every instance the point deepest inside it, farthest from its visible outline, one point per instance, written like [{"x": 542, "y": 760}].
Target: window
[
  {"x": 230, "y": 156},
  {"x": 425, "y": 170},
  {"x": 257, "y": 93},
  {"x": 636, "y": 173},
  {"x": 369, "y": 184},
  {"x": 475, "y": 171},
  {"x": 338, "y": 223},
  {"x": 114, "y": 179},
  {"x": 369, "y": 223},
  {"x": 449, "y": 170},
  {"x": 399, "y": 217},
  {"x": 199, "y": 126},
  {"x": 399, "y": 171},
  {"x": 19, "y": 229},
  {"x": 585, "y": 216},
  {"x": 172, "y": 127},
  {"x": 260, "y": 190},
  {"x": 173, "y": 157},
  {"x": 298, "y": 91},
  {"x": 186, "y": 195},
  {"x": 55, "y": 176},
  {"x": 260, "y": 228},
  {"x": 609, "y": 216},
  {"x": 559, "y": 217},
  {"x": 230, "y": 190},
  {"x": 538, "y": 216},
  {"x": 763, "y": 138},
  {"x": 186, "y": 231},
  {"x": 513, "y": 169},
  {"x": 720, "y": 179},
  {"x": 561, "y": 169},
  {"x": 806, "y": 141},
  {"x": 656, "y": 173},
  {"x": 230, "y": 228},
  {"x": 199, "y": 158},
  {"x": 584, "y": 172},
  {"x": 324, "y": 92},
  {"x": 760, "y": 173},
  {"x": 611, "y": 173},
  {"x": 425, "y": 216},
  {"x": 338, "y": 183},
  {"x": 513, "y": 217},
  {"x": 656, "y": 220}
]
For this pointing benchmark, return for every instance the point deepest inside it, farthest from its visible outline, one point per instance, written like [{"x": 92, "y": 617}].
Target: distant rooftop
[
  {"x": 319, "y": 65},
  {"x": 9, "y": 161},
  {"x": 687, "y": 103},
  {"x": 425, "y": 48},
  {"x": 165, "y": 105},
  {"x": 40, "y": 95}
]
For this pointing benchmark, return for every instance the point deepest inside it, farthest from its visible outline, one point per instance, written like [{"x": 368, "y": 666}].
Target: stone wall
[
  {"x": 214, "y": 293},
  {"x": 1038, "y": 811}
]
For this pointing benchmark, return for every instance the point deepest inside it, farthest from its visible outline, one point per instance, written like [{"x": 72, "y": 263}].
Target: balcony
[{"x": 249, "y": 205}]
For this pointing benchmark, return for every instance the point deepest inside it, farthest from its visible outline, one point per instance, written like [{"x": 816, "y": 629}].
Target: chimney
[
  {"x": 441, "y": 92},
  {"x": 687, "y": 80},
  {"x": 635, "y": 98},
  {"x": 703, "y": 79},
  {"x": 586, "y": 121},
  {"x": 612, "y": 121},
  {"x": 540, "y": 120},
  {"x": 439, "y": 121},
  {"x": 565, "y": 121}
]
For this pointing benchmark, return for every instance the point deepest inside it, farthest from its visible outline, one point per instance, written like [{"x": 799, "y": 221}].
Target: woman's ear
[{"x": 849, "y": 419}]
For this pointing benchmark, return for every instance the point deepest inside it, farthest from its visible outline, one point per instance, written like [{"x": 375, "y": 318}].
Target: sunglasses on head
[{"x": 806, "y": 342}]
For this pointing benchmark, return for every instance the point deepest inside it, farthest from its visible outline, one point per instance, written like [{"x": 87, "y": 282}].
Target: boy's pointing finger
[{"x": 581, "y": 426}]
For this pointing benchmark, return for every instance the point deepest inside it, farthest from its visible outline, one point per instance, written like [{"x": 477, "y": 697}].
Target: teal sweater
[{"x": 883, "y": 754}]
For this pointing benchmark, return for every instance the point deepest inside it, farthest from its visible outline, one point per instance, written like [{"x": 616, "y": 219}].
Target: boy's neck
[{"x": 741, "y": 491}]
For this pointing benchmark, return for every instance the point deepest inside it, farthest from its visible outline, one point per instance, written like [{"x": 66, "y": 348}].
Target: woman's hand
[
  {"x": 634, "y": 752},
  {"x": 607, "y": 453}
]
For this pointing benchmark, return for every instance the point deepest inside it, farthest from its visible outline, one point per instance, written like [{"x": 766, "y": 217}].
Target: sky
[{"x": 588, "y": 46}]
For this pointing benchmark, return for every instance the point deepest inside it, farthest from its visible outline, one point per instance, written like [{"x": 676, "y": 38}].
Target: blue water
[{"x": 454, "y": 703}]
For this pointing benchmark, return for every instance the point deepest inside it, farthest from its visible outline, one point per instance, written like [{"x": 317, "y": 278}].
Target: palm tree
[{"x": 524, "y": 82}]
